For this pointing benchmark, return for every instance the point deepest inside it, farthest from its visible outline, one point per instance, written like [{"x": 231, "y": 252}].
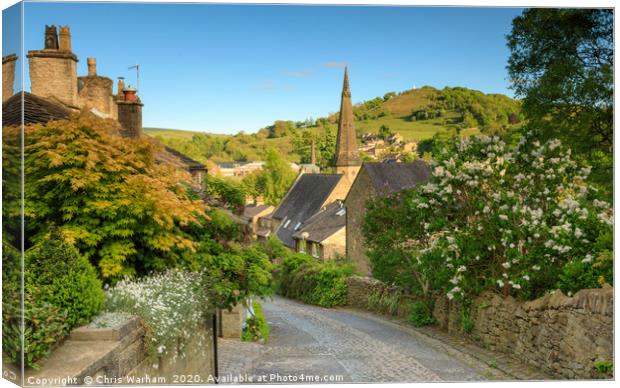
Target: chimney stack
[
  {"x": 8, "y": 76},
  {"x": 65, "y": 39},
  {"x": 130, "y": 112},
  {"x": 53, "y": 70},
  {"x": 92, "y": 67},
  {"x": 119, "y": 87}
]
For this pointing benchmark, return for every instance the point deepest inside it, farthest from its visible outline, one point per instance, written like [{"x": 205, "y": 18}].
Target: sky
[{"x": 227, "y": 68}]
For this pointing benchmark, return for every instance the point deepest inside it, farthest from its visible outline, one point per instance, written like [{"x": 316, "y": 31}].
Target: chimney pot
[
  {"x": 92, "y": 67},
  {"x": 129, "y": 94},
  {"x": 64, "y": 35}
]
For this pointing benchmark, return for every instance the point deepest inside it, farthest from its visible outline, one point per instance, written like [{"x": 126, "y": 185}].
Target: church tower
[{"x": 347, "y": 160}]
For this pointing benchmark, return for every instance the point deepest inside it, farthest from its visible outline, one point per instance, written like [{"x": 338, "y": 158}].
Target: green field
[{"x": 415, "y": 114}]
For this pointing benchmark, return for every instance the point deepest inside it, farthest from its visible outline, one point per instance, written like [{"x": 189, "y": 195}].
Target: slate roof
[
  {"x": 302, "y": 201},
  {"x": 37, "y": 110},
  {"x": 250, "y": 211},
  {"x": 324, "y": 223},
  {"x": 388, "y": 178},
  {"x": 191, "y": 164}
]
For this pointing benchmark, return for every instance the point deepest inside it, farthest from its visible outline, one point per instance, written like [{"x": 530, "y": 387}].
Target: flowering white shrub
[
  {"x": 518, "y": 218},
  {"x": 171, "y": 304}
]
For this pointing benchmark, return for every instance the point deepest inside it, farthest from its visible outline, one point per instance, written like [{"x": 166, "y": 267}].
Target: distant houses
[{"x": 239, "y": 169}]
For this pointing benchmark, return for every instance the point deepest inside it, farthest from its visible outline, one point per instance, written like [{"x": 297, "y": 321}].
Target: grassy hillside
[{"x": 416, "y": 114}]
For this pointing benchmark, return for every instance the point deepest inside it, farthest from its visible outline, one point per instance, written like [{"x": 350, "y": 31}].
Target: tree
[
  {"x": 561, "y": 64},
  {"x": 385, "y": 132},
  {"x": 277, "y": 177},
  {"x": 273, "y": 181},
  {"x": 110, "y": 199},
  {"x": 324, "y": 142}
]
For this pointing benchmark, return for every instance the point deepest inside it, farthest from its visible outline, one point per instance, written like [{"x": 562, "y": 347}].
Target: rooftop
[
  {"x": 324, "y": 223},
  {"x": 303, "y": 200}
]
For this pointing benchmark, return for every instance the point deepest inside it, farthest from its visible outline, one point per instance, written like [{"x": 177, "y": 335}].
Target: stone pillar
[
  {"x": 232, "y": 322},
  {"x": 8, "y": 76}
]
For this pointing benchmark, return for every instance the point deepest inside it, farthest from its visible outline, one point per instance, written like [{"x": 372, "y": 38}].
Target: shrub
[
  {"x": 320, "y": 283},
  {"x": 605, "y": 367},
  {"x": 57, "y": 274},
  {"x": 420, "y": 314},
  {"x": 61, "y": 292},
  {"x": 120, "y": 208},
  {"x": 256, "y": 327},
  {"x": 384, "y": 302},
  {"x": 514, "y": 218},
  {"x": 171, "y": 304}
]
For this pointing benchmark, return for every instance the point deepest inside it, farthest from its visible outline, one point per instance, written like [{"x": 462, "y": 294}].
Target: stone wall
[
  {"x": 334, "y": 245},
  {"x": 54, "y": 74},
  {"x": 562, "y": 335},
  {"x": 103, "y": 356},
  {"x": 356, "y": 200},
  {"x": 8, "y": 76}
]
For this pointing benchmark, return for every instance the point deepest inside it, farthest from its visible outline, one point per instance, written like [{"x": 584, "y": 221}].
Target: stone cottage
[
  {"x": 322, "y": 234},
  {"x": 376, "y": 180}
]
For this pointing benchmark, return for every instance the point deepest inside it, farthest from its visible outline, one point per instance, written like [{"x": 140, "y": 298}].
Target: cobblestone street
[{"x": 348, "y": 345}]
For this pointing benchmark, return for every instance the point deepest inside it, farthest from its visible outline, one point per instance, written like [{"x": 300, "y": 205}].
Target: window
[
  {"x": 298, "y": 226},
  {"x": 341, "y": 212},
  {"x": 286, "y": 224},
  {"x": 302, "y": 246},
  {"x": 315, "y": 250}
]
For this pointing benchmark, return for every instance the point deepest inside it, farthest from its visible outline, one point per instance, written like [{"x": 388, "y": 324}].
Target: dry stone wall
[
  {"x": 104, "y": 356},
  {"x": 564, "y": 336}
]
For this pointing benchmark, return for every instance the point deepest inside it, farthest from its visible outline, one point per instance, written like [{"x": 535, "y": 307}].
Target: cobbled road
[{"x": 341, "y": 345}]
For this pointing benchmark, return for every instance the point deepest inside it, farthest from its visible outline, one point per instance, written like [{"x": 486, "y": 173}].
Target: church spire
[{"x": 346, "y": 144}]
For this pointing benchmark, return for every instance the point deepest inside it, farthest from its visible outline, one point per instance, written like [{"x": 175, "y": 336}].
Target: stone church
[
  {"x": 311, "y": 216},
  {"x": 322, "y": 214},
  {"x": 56, "y": 92}
]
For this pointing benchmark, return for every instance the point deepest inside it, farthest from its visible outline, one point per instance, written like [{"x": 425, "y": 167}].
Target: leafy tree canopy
[
  {"x": 109, "y": 197},
  {"x": 561, "y": 64}
]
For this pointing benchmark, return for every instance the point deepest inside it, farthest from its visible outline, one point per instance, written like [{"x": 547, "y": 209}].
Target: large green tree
[
  {"x": 561, "y": 64},
  {"x": 273, "y": 181}
]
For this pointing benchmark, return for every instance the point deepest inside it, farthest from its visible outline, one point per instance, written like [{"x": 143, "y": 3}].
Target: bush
[
  {"x": 60, "y": 276},
  {"x": 61, "y": 291},
  {"x": 519, "y": 219},
  {"x": 314, "y": 282},
  {"x": 171, "y": 304},
  {"x": 256, "y": 327},
  {"x": 384, "y": 302},
  {"x": 420, "y": 314}
]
